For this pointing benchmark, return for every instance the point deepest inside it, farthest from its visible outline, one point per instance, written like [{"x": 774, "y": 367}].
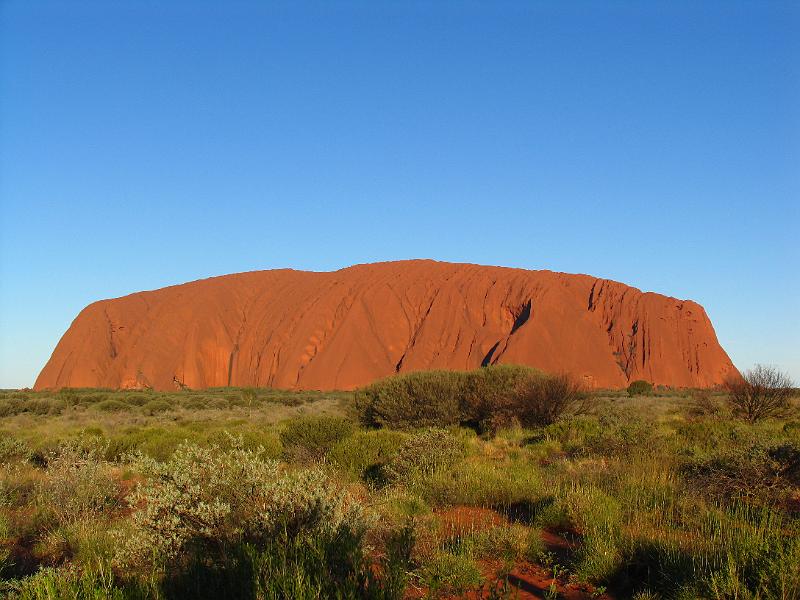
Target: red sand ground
[
  {"x": 526, "y": 580},
  {"x": 340, "y": 330}
]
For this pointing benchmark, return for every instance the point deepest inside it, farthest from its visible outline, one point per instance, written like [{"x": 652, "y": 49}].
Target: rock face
[{"x": 343, "y": 329}]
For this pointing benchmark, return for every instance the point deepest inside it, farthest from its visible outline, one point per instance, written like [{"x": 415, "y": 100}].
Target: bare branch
[{"x": 761, "y": 392}]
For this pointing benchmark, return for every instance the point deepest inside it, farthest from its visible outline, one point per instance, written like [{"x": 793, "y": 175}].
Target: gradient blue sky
[{"x": 146, "y": 143}]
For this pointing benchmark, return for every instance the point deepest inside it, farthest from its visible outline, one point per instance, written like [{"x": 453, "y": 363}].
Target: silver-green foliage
[
  {"x": 211, "y": 498},
  {"x": 78, "y": 484}
]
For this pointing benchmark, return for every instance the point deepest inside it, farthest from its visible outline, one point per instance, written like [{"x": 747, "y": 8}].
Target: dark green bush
[
  {"x": 50, "y": 583},
  {"x": 195, "y": 403},
  {"x": 9, "y": 407},
  {"x": 640, "y": 387},
  {"x": 491, "y": 395},
  {"x": 544, "y": 400},
  {"x": 366, "y": 451},
  {"x": 155, "y": 442},
  {"x": 156, "y": 406},
  {"x": 303, "y": 567},
  {"x": 484, "y": 399},
  {"x": 311, "y": 438},
  {"x": 91, "y": 398},
  {"x": 136, "y": 399},
  {"x": 754, "y": 471},
  {"x": 423, "y": 399},
  {"x": 112, "y": 406}
]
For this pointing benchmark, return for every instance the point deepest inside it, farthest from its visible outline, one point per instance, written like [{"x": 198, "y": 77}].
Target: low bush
[
  {"x": 515, "y": 488},
  {"x": 156, "y": 442},
  {"x": 618, "y": 438},
  {"x": 413, "y": 400},
  {"x": 543, "y": 400},
  {"x": 219, "y": 404},
  {"x": 424, "y": 454},
  {"x": 450, "y": 573},
  {"x": 507, "y": 543},
  {"x": 268, "y": 442},
  {"x": 13, "y": 449},
  {"x": 598, "y": 518},
  {"x": 37, "y": 406},
  {"x": 364, "y": 453},
  {"x": 112, "y": 406},
  {"x": 490, "y": 398},
  {"x": 485, "y": 399},
  {"x": 67, "y": 584},
  {"x": 640, "y": 387},
  {"x": 195, "y": 403},
  {"x": 135, "y": 399},
  {"x": 754, "y": 471},
  {"x": 205, "y": 500},
  {"x": 704, "y": 405},
  {"x": 311, "y": 438},
  {"x": 154, "y": 407},
  {"x": 78, "y": 485}
]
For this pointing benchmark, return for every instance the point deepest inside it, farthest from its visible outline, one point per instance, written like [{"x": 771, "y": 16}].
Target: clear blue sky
[{"x": 148, "y": 143}]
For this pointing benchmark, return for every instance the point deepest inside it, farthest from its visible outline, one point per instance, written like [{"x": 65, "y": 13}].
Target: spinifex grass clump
[{"x": 423, "y": 454}]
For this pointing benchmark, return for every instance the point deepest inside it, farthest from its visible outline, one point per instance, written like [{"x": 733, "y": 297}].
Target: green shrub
[
  {"x": 640, "y": 387},
  {"x": 302, "y": 567},
  {"x": 365, "y": 452},
  {"x": 13, "y": 449},
  {"x": 112, "y": 406},
  {"x": 490, "y": 395},
  {"x": 620, "y": 438},
  {"x": 598, "y": 517},
  {"x": 206, "y": 500},
  {"x": 154, "y": 407},
  {"x": 77, "y": 484},
  {"x": 485, "y": 399},
  {"x": 484, "y": 484},
  {"x": 268, "y": 441},
  {"x": 136, "y": 399},
  {"x": 424, "y": 454},
  {"x": 451, "y": 573},
  {"x": 195, "y": 403},
  {"x": 506, "y": 543},
  {"x": 413, "y": 400},
  {"x": 544, "y": 400},
  {"x": 155, "y": 442},
  {"x": 754, "y": 471},
  {"x": 573, "y": 433},
  {"x": 66, "y": 584},
  {"x": 9, "y": 407},
  {"x": 311, "y": 438}
]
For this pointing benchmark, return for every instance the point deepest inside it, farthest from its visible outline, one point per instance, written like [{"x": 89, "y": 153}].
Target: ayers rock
[{"x": 343, "y": 329}]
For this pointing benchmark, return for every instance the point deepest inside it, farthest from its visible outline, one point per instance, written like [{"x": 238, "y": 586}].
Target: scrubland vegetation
[{"x": 499, "y": 483}]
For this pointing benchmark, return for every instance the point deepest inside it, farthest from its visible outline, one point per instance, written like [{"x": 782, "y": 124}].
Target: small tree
[{"x": 761, "y": 392}]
